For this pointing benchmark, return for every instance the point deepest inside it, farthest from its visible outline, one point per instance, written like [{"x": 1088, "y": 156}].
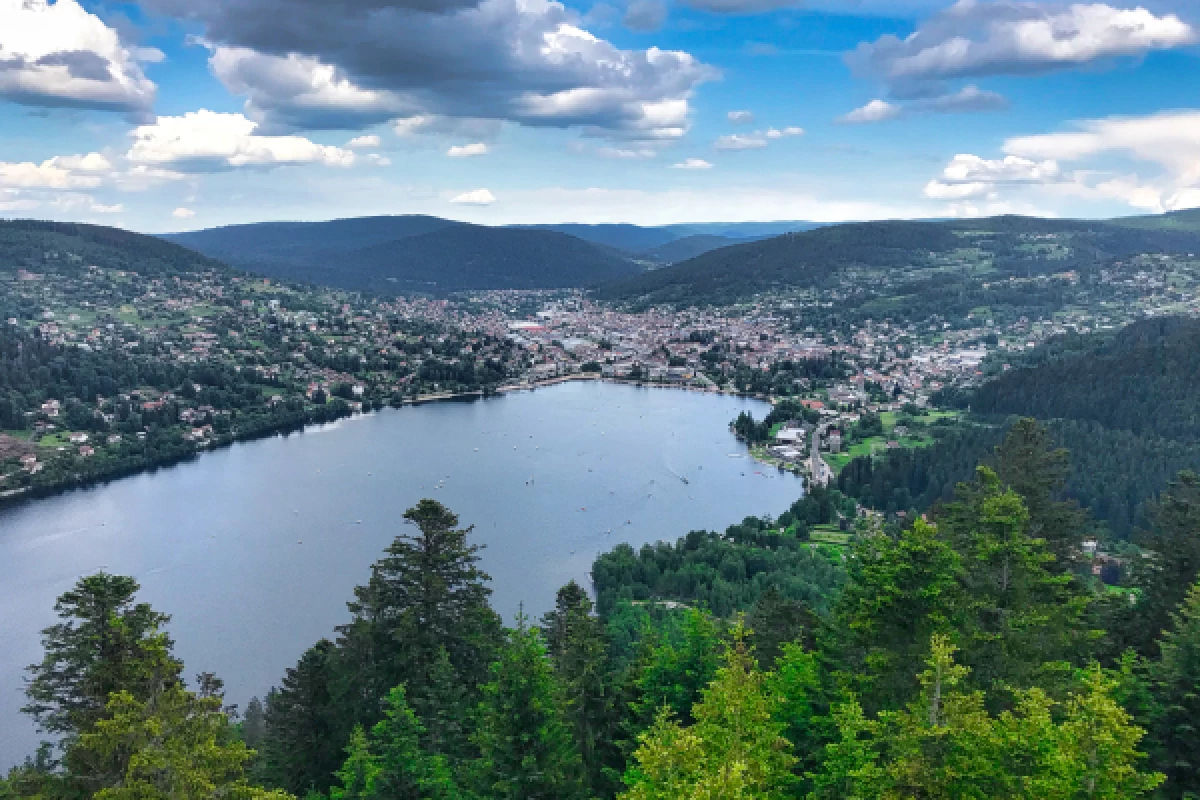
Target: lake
[{"x": 255, "y": 549}]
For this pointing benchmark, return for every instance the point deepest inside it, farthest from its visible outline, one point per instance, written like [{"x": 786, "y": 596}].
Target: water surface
[{"x": 254, "y": 549}]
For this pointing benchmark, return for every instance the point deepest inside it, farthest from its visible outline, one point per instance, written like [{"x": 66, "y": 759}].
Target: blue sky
[{"x": 178, "y": 114}]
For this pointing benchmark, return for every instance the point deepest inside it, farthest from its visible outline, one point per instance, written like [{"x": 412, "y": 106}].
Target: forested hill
[
  {"x": 1125, "y": 404},
  {"x": 399, "y": 254},
  {"x": 1000, "y": 246},
  {"x": 1145, "y": 379},
  {"x": 35, "y": 245}
]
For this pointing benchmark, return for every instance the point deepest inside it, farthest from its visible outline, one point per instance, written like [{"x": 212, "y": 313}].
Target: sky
[{"x": 166, "y": 115}]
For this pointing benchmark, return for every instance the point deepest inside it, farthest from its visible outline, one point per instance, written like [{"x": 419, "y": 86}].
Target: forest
[
  {"x": 970, "y": 654},
  {"x": 1125, "y": 404}
]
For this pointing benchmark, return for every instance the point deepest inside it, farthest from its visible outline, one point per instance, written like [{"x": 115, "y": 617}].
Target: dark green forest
[
  {"x": 1125, "y": 404},
  {"x": 971, "y": 654}
]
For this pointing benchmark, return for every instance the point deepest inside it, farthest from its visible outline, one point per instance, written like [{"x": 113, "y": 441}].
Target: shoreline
[{"x": 138, "y": 465}]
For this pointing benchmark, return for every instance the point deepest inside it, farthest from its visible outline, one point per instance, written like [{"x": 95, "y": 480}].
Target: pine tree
[
  {"x": 675, "y": 669},
  {"x": 527, "y": 750},
  {"x": 1021, "y": 618},
  {"x": 735, "y": 749},
  {"x": 900, "y": 591},
  {"x": 577, "y": 643},
  {"x": 1176, "y": 682},
  {"x": 105, "y": 643},
  {"x": 358, "y": 771},
  {"x": 426, "y": 595},
  {"x": 404, "y": 770},
  {"x": 1174, "y": 542},
  {"x": 174, "y": 745},
  {"x": 300, "y": 749},
  {"x": 775, "y": 621},
  {"x": 1028, "y": 464}
]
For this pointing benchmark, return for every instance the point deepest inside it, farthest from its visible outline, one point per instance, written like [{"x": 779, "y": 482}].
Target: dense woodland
[
  {"x": 972, "y": 655},
  {"x": 1126, "y": 405}
]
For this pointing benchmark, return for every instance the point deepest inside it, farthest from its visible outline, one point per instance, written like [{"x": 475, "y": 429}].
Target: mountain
[
  {"x": 647, "y": 241},
  {"x": 689, "y": 247},
  {"x": 1018, "y": 246},
  {"x": 395, "y": 254},
  {"x": 34, "y": 244}
]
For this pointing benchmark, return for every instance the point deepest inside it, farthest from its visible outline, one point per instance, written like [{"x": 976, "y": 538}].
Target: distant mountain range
[
  {"x": 676, "y": 264},
  {"x": 393, "y": 254}
]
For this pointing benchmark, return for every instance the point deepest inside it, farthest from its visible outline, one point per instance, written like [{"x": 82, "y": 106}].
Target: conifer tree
[
  {"x": 106, "y": 642},
  {"x": 1174, "y": 566},
  {"x": 173, "y": 745},
  {"x": 735, "y": 749},
  {"x": 404, "y": 771},
  {"x": 1176, "y": 683},
  {"x": 527, "y": 750},
  {"x": 577, "y": 643},
  {"x": 301, "y": 748},
  {"x": 1027, "y": 462}
]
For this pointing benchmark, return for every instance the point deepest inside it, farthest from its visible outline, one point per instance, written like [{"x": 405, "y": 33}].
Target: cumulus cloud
[
  {"x": 968, "y": 176},
  {"x": 61, "y": 172},
  {"x": 477, "y": 197},
  {"x": 973, "y": 39},
  {"x": 60, "y": 55},
  {"x": 183, "y": 213},
  {"x": 363, "y": 142},
  {"x": 351, "y": 63},
  {"x": 1007, "y": 37},
  {"x": 874, "y": 111},
  {"x": 645, "y": 16},
  {"x": 468, "y": 150},
  {"x": 1168, "y": 143},
  {"x": 741, "y": 117},
  {"x": 208, "y": 141},
  {"x": 692, "y": 163},
  {"x": 739, "y": 141}
]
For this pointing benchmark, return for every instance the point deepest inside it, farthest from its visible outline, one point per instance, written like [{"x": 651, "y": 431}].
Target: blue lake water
[{"x": 255, "y": 549}]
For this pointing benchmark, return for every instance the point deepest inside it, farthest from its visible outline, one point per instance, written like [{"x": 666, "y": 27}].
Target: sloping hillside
[
  {"x": 34, "y": 244},
  {"x": 411, "y": 254},
  {"x": 999, "y": 246}
]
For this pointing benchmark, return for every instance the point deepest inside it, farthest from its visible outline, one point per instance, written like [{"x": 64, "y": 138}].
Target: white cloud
[
  {"x": 740, "y": 117},
  {"x": 938, "y": 190},
  {"x": 61, "y": 172},
  {"x": 368, "y": 141},
  {"x": 183, "y": 213},
  {"x": 477, "y": 197},
  {"x": 1007, "y": 37},
  {"x": 60, "y": 55},
  {"x": 692, "y": 163},
  {"x": 874, "y": 111},
  {"x": 969, "y": 176},
  {"x": 1169, "y": 142},
  {"x": 776, "y": 133},
  {"x": 378, "y": 160},
  {"x": 738, "y": 141},
  {"x": 965, "y": 168},
  {"x": 208, "y": 141},
  {"x": 468, "y": 150}
]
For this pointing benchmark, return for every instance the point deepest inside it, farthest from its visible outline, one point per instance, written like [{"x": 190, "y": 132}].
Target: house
[
  {"x": 51, "y": 408},
  {"x": 86, "y": 451},
  {"x": 78, "y": 438},
  {"x": 835, "y": 441}
]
